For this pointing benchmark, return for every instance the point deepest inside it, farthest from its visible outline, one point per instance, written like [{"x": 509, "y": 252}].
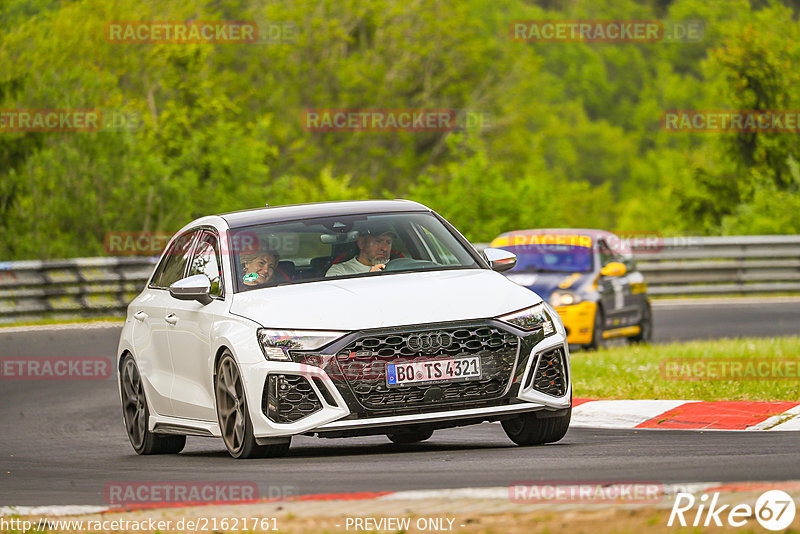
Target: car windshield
[
  {"x": 552, "y": 258},
  {"x": 344, "y": 246}
]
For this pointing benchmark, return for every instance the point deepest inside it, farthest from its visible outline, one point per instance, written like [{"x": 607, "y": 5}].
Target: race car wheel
[
  {"x": 645, "y": 334},
  {"x": 136, "y": 415},
  {"x": 527, "y": 429},
  {"x": 410, "y": 436},
  {"x": 597, "y": 330},
  {"x": 234, "y": 417}
]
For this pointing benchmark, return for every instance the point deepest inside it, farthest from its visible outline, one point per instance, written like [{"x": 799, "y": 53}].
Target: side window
[
  {"x": 431, "y": 248},
  {"x": 206, "y": 261},
  {"x": 174, "y": 262},
  {"x": 606, "y": 254},
  {"x": 442, "y": 253}
]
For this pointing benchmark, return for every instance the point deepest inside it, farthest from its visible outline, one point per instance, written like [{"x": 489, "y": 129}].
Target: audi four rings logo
[{"x": 429, "y": 342}]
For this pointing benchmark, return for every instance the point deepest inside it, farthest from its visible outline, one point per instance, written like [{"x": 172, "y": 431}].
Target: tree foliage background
[{"x": 574, "y": 136}]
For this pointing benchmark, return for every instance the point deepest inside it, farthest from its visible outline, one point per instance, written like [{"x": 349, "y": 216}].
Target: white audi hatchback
[{"x": 336, "y": 319}]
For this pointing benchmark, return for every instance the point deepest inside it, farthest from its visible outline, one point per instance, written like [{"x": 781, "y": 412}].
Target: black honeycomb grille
[
  {"x": 363, "y": 365},
  {"x": 289, "y": 398},
  {"x": 550, "y": 377}
]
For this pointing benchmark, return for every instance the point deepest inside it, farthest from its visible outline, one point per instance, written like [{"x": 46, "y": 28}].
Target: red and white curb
[{"x": 686, "y": 415}]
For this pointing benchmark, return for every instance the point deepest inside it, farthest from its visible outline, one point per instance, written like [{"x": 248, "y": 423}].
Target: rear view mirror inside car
[{"x": 335, "y": 239}]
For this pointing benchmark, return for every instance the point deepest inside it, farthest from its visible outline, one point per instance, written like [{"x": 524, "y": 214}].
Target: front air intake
[
  {"x": 549, "y": 375},
  {"x": 289, "y": 398}
]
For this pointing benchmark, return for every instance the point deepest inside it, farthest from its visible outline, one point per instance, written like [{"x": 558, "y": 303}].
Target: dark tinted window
[
  {"x": 173, "y": 264},
  {"x": 552, "y": 258}
]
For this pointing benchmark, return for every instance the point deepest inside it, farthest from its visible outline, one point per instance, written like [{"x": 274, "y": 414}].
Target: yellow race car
[{"x": 588, "y": 276}]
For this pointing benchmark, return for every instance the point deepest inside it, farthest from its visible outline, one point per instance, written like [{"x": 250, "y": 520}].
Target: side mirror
[
  {"x": 500, "y": 260},
  {"x": 197, "y": 287},
  {"x": 614, "y": 268}
]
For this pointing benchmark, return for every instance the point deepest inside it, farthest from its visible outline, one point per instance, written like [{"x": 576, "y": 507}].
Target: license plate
[{"x": 398, "y": 374}]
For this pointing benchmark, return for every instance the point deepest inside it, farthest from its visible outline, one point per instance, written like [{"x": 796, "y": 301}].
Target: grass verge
[{"x": 640, "y": 372}]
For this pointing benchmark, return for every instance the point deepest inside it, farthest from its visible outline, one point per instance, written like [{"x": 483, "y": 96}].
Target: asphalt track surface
[{"x": 62, "y": 442}]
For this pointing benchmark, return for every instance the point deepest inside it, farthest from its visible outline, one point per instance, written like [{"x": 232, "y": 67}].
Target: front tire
[
  {"x": 234, "y": 417},
  {"x": 526, "y": 429},
  {"x": 137, "y": 414}
]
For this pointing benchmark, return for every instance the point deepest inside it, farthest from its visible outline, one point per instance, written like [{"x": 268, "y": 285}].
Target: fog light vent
[{"x": 289, "y": 398}]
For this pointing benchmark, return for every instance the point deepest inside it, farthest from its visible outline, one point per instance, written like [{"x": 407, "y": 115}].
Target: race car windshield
[
  {"x": 552, "y": 258},
  {"x": 309, "y": 250}
]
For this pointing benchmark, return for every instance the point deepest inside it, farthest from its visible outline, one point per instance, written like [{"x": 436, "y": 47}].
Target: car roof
[{"x": 238, "y": 219}]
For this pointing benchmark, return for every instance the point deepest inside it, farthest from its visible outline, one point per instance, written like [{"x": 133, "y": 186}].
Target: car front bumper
[{"x": 335, "y": 416}]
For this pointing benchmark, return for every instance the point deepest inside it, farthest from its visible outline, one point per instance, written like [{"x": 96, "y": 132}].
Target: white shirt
[{"x": 352, "y": 266}]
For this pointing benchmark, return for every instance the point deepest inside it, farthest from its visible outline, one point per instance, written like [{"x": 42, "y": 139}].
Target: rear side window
[
  {"x": 206, "y": 261},
  {"x": 173, "y": 265}
]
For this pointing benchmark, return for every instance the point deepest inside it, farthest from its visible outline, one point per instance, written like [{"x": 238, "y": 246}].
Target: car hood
[
  {"x": 543, "y": 284},
  {"x": 384, "y": 300}
]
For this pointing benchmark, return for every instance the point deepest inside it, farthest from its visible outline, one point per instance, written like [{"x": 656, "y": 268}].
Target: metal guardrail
[
  {"x": 86, "y": 287},
  {"x": 62, "y": 289},
  {"x": 723, "y": 265}
]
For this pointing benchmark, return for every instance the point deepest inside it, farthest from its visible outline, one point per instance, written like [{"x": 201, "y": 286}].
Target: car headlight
[
  {"x": 557, "y": 321},
  {"x": 531, "y": 319},
  {"x": 564, "y": 298},
  {"x": 278, "y": 344}
]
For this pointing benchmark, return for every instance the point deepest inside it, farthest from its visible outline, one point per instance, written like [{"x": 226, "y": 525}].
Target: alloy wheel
[
  {"x": 133, "y": 404},
  {"x": 231, "y": 406}
]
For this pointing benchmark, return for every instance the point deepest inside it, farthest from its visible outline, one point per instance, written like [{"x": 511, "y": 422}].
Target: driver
[{"x": 374, "y": 249}]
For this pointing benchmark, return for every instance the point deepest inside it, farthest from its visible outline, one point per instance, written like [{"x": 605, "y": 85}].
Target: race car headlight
[
  {"x": 564, "y": 298},
  {"x": 531, "y": 319},
  {"x": 278, "y": 344}
]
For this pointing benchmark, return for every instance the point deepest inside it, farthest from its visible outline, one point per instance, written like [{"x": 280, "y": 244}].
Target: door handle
[
  {"x": 171, "y": 319},
  {"x": 140, "y": 316}
]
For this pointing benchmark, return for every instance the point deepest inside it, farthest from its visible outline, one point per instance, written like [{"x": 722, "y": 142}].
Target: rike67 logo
[{"x": 774, "y": 510}]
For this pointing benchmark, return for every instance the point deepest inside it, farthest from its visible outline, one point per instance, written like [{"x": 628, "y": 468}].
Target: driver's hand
[{"x": 378, "y": 267}]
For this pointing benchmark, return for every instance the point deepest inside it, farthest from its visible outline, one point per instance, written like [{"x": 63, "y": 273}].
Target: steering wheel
[{"x": 404, "y": 264}]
